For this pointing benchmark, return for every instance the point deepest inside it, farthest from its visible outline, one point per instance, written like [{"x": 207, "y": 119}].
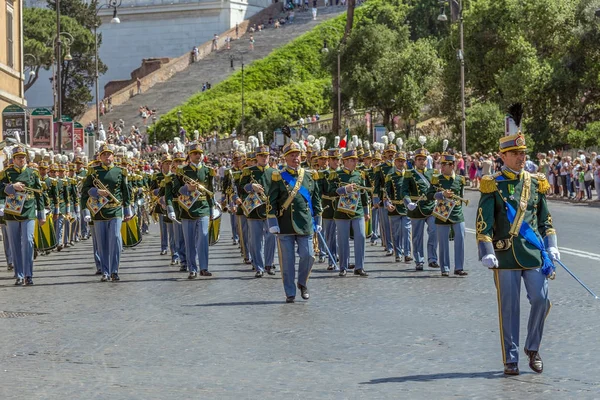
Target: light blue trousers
[
  {"x": 95, "y": 245},
  {"x": 287, "y": 259},
  {"x": 195, "y": 234},
  {"x": 5, "y": 243},
  {"x": 386, "y": 228},
  {"x": 508, "y": 286},
  {"x": 180, "y": 243},
  {"x": 443, "y": 235},
  {"x": 109, "y": 244},
  {"x": 59, "y": 229},
  {"x": 234, "y": 228},
  {"x": 330, "y": 233},
  {"x": 243, "y": 224},
  {"x": 85, "y": 230},
  {"x": 418, "y": 230},
  {"x": 164, "y": 234},
  {"x": 262, "y": 244},
  {"x": 343, "y": 237},
  {"x": 375, "y": 225},
  {"x": 401, "y": 232},
  {"x": 20, "y": 239},
  {"x": 172, "y": 246}
]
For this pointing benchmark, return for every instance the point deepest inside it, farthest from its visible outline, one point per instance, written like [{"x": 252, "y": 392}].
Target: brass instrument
[
  {"x": 189, "y": 181},
  {"x": 262, "y": 195},
  {"x": 357, "y": 187},
  {"x": 100, "y": 186},
  {"x": 454, "y": 195},
  {"x": 32, "y": 190}
]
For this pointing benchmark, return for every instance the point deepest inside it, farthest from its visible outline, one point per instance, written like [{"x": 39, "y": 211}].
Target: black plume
[{"x": 516, "y": 113}]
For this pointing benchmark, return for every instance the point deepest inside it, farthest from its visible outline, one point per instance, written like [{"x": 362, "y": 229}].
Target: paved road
[{"x": 398, "y": 334}]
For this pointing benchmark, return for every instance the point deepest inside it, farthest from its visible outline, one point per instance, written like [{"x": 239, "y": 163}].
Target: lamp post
[
  {"x": 115, "y": 20},
  {"x": 338, "y": 88},
  {"x": 456, "y": 10},
  {"x": 57, "y": 46}
]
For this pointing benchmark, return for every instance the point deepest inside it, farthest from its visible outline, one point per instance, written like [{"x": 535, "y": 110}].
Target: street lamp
[
  {"x": 115, "y": 20},
  {"x": 337, "y": 128},
  {"x": 57, "y": 48},
  {"x": 456, "y": 13}
]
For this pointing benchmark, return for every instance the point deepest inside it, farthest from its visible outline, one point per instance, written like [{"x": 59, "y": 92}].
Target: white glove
[
  {"x": 274, "y": 230},
  {"x": 411, "y": 206},
  {"x": 319, "y": 228},
  {"x": 2, "y": 212},
  {"x": 87, "y": 218},
  {"x": 172, "y": 216},
  {"x": 554, "y": 254},
  {"x": 490, "y": 261}
]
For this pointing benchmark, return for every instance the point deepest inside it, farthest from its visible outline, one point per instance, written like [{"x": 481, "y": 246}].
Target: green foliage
[
  {"x": 485, "y": 125},
  {"x": 77, "y": 76},
  {"x": 589, "y": 137}
]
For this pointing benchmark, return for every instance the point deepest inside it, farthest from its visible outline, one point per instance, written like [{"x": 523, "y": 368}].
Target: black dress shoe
[
  {"x": 19, "y": 282},
  {"x": 258, "y": 274},
  {"x": 389, "y": 253},
  {"x": 460, "y": 272},
  {"x": 342, "y": 273},
  {"x": 408, "y": 259},
  {"x": 205, "y": 272},
  {"x": 321, "y": 259},
  {"x": 361, "y": 272},
  {"x": 419, "y": 267},
  {"x": 535, "y": 361},
  {"x": 290, "y": 299},
  {"x": 115, "y": 277},
  {"x": 246, "y": 261},
  {"x": 29, "y": 282},
  {"x": 10, "y": 267},
  {"x": 59, "y": 247},
  {"x": 398, "y": 259},
  {"x": 511, "y": 369},
  {"x": 193, "y": 275},
  {"x": 105, "y": 278},
  {"x": 270, "y": 270},
  {"x": 351, "y": 266},
  {"x": 183, "y": 268},
  {"x": 163, "y": 252},
  {"x": 98, "y": 272},
  {"x": 304, "y": 292},
  {"x": 445, "y": 273},
  {"x": 330, "y": 268},
  {"x": 434, "y": 264}
]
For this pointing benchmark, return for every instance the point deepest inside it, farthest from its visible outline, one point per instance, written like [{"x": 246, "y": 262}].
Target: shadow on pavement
[
  {"x": 433, "y": 377},
  {"x": 236, "y": 303}
]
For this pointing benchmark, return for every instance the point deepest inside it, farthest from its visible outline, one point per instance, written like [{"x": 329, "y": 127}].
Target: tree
[
  {"x": 485, "y": 124},
  {"x": 384, "y": 70}
]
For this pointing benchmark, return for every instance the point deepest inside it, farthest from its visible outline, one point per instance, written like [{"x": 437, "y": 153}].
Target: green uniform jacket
[
  {"x": 262, "y": 176},
  {"x": 203, "y": 175},
  {"x": 157, "y": 183},
  {"x": 393, "y": 190},
  {"x": 296, "y": 219},
  {"x": 414, "y": 187},
  {"x": 170, "y": 194},
  {"x": 34, "y": 204},
  {"x": 115, "y": 180},
  {"x": 346, "y": 177},
  {"x": 237, "y": 178},
  {"x": 50, "y": 194},
  {"x": 327, "y": 202},
  {"x": 63, "y": 197},
  {"x": 457, "y": 184},
  {"x": 493, "y": 228},
  {"x": 379, "y": 174}
]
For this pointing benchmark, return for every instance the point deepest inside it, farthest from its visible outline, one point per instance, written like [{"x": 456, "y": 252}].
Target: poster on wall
[
  {"x": 13, "y": 123},
  {"x": 41, "y": 128},
  {"x": 378, "y": 133},
  {"x": 66, "y": 134},
  {"x": 77, "y": 135}
]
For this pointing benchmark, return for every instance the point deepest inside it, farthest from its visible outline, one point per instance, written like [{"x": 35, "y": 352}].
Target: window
[{"x": 10, "y": 54}]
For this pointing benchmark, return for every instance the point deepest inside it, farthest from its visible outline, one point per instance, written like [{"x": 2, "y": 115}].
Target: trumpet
[
  {"x": 454, "y": 196},
  {"x": 32, "y": 190},
  {"x": 189, "y": 181},
  {"x": 357, "y": 187},
  {"x": 100, "y": 186},
  {"x": 262, "y": 195}
]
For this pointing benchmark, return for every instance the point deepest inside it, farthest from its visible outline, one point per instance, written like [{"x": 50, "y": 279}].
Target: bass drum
[
  {"x": 44, "y": 236},
  {"x": 131, "y": 232},
  {"x": 214, "y": 226},
  {"x": 368, "y": 230}
]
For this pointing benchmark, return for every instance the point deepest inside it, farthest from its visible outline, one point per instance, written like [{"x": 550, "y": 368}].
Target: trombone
[
  {"x": 99, "y": 185},
  {"x": 189, "y": 181}
]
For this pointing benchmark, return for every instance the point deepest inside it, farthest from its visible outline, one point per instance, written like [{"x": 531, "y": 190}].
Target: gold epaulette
[
  {"x": 276, "y": 176},
  {"x": 463, "y": 180},
  {"x": 435, "y": 171},
  {"x": 408, "y": 174},
  {"x": 377, "y": 169},
  {"x": 388, "y": 177},
  {"x": 488, "y": 183},
  {"x": 213, "y": 172},
  {"x": 246, "y": 172},
  {"x": 2, "y": 174},
  {"x": 363, "y": 175},
  {"x": 435, "y": 179},
  {"x": 168, "y": 179},
  {"x": 332, "y": 175},
  {"x": 543, "y": 184},
  {"x": 315, "y": 174},
  {"x": 124, "y": 172}
]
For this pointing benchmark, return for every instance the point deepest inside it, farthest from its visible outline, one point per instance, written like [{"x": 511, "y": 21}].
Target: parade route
[{"x": 398, "y": 334}]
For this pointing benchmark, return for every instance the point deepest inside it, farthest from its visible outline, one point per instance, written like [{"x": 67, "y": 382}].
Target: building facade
[
  {"x": 11, "y": 54},
  {"x": 152, "y": 29}
]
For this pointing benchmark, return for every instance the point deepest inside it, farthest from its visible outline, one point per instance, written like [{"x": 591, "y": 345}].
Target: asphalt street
[{"x": 398, "y": 334}]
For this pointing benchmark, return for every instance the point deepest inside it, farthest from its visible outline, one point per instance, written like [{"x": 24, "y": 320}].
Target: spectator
[
  {"x": 215, "y": 44},
  {"x": 139, "y": 85},
  {"x": 251, "y": 42},
  {"x": 195, "y": 54}
]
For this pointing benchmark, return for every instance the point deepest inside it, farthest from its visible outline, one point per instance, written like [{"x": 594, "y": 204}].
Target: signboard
[
  {"x": 279, "y": 138},
  {"x": 13, "y": 122},
  {"x": 379, "y": 132},
  {"x": 66, "y": 134},
  {"x": 41, "y": 128},
  {"x": 78, "y": 135}
]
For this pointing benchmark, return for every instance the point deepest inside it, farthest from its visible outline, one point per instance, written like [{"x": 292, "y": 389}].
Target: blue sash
[
  {"x": 291, "y": 181},
  {"x": 531, "y": 236}
]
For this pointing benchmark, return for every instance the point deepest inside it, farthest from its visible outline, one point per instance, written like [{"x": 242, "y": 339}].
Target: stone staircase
[{"x": 215, "y": 67}]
